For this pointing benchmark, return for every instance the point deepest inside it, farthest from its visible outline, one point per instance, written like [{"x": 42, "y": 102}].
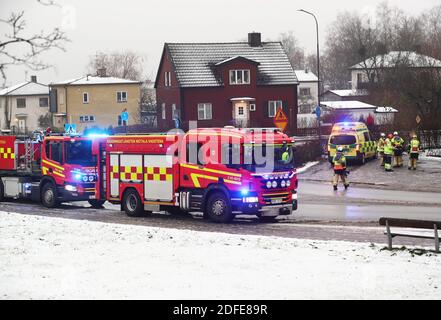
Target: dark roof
[{"x": 195, "y": 63}]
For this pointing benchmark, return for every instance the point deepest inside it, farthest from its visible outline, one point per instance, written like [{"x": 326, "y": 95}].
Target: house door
[
  {"x": 241, "y": 114},
  {"x": 22, "y": 125}
]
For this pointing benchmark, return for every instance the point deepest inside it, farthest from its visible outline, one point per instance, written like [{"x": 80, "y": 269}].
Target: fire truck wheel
[
  {"x": 49, "y": 196},
  {"x": 97, "y": 204},
  {"x": 132, "y": 204},
  {"x": 2, "y": 192},
  {"x": 218, "y": 208}
]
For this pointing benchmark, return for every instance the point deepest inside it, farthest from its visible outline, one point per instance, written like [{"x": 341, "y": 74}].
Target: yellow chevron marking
[
  {"x": 211, "y": 170},
  {"x": 53, "y": 165},
  {"x": 195, "y": 178}
]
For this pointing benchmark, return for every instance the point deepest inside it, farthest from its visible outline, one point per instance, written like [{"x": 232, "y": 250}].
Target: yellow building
[{"x": 95, "y": 101}]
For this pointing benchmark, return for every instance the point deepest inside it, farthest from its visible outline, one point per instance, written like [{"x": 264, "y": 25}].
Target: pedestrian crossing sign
[{"x": 70, "y": 128}]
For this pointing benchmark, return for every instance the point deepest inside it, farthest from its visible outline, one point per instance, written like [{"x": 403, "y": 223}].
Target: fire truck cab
[
  {"x": 49, "y": 169},
  {"x": 221, "y": 172}
]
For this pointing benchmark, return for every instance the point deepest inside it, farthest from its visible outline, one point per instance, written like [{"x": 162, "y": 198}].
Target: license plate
[
  {"x": 276, "y": 201},
  {"x": 92, "y": 197}
]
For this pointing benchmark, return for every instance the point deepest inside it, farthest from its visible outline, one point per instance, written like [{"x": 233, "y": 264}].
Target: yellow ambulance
[{"x": 355, "y": 139}]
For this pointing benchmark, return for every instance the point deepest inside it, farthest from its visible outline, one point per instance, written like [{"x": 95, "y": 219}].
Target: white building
[
  {"x": 370, "y": 69},
  {"x": 22, "y": 105},
  {"x": 354, "y": 110},
  {"x": 307, "y": 91}
]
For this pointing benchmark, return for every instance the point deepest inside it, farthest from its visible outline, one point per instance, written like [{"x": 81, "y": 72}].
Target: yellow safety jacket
[
  {"x": 414, "y": 146},
  {"x": 388, "y": 147},
  {"x": 397, "y": 142},
  {"x": 339, "y": 162},
  {"x": 380, "y": 145}
]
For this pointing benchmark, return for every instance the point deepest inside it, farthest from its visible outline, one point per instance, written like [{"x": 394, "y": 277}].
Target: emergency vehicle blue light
[
  {"x": 97, "y": 135},
  {"x": 346, "y": 124},
  {"x": 244, "y": 192},
  {"x": 77, "y": 176}
]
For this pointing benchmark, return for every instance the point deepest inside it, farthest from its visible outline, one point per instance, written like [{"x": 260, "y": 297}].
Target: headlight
[
  {"x": 294, "y": 196},
  {"x": 288, "y": 183},
  {"x": 85, "y": 178},
  {"x": 269, "y": 184},
  {"x": 70, "y": 188},
  {"x": 91, "y": 178},
  {"x": 283, "y": 184},
  {"x": 274, "y": 184},
  {"x": 250, "y": 200}
]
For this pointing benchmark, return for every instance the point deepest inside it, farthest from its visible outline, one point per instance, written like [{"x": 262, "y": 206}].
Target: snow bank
[
  {"x": 307, "y": 166},
  {"x": 47, "y": 258}
]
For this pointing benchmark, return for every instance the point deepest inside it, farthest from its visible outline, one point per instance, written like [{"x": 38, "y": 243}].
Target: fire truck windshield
[
  {"x": 80, "y": 152},
  {"x": 268, "y": 158}
]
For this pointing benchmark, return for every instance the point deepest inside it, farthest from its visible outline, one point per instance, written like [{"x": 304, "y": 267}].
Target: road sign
[
  {"x": 281, "y": 120},
  {"x": 418, "y": 119},
  {"x": 318, "y": 112},
  {"x": 70, "y": 128}
]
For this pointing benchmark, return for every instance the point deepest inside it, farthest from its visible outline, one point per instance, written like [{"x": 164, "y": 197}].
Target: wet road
[
  {"x": 322, "y": 215},
  {"x": 319, "y": 202}
]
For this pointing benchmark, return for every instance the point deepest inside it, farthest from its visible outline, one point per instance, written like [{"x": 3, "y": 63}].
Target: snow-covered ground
[{"x": 46, "y": 258}]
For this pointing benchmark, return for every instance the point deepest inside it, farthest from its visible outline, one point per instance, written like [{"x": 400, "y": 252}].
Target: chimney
[
  {"x": 254, "y": 39},
  {"x": 34, "y": 79},
  {"x": 101, "y": 72}
]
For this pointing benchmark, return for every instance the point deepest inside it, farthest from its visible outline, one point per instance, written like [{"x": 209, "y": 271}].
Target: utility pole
[{"x": 318, "y": 68}]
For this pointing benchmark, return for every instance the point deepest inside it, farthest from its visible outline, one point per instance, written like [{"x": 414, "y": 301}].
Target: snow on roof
[
  {"x": 194, "y": 62},
  {"x": 350, "y": 93},
  {"x": 26, "y": 89},
  {"x": 355, "y": 105},
  {"x": 394, "y": 58},
  {"x": 234, "y": 58},
  {"x": 386, "y": 110},
  {"x": 305, "y": 76},
  {"x": 87, "y": 80}
]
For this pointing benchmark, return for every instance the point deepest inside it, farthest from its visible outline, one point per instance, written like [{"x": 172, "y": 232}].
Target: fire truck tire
[
  {"x": 49, "y": 196},
  {"x": 218, "y": 208},
  {"x": 132, "y": 204},
  {"x": 2, "y": 191},
  {"x": 97, "y": 204}
]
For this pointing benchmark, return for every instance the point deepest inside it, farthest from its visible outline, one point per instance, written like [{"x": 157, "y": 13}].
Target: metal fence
[{"x": 430, "y": 139}]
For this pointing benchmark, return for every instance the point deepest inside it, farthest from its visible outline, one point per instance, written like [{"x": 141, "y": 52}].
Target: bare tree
[
  {"x": 18, "y": 46},
  {"x": 126, "y": 65},
  {"x": 295, "y": 53}
]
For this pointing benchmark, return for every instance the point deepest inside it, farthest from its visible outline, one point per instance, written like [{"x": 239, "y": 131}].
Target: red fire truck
[
  {"x": 220, "y": 172},
  {"x": 51, "y": 169}
]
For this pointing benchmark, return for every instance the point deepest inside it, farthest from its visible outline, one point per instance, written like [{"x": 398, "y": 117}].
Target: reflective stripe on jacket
[
  {"x": 414, "y": 146},
  {"x": 380, "y": 146},
  {"x": 388, "y": 147},
  {"x": 339, "y": 162}
]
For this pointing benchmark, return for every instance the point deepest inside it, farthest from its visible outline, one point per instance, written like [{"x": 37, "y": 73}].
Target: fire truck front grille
[
  {"x": 276, "y": 198},
  {"x": 88, "y": 187}
]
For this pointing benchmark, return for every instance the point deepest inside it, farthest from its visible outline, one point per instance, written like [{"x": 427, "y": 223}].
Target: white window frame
[
  {"x": 163, "y": 112},
  {"x": 234, "y": 77},
  {"x": 168, "y": 81},
  {"x": 86, "y": 94},
  {"x": 273, "y": 107},
  {"x": 120, "y": 93},
  {"x": 87, "y": 119},
  {"x": 308, "y": 93},
  {"x": 204, "y": 107},
  {"x": 252, "y": 107},
  {"x": 174, "y": 111},
  {"x": 43, "y": 98},
  {"x": 21, "y": 99}
]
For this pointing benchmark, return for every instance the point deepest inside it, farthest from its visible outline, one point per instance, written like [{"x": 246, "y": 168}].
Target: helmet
[
  {"x": 390, "y": 136},
  {"x": 383, "y": 134},
  {"x": 395, "y": 133},
  {"x": 414, "y": 136},
  {"x": 340, "y": 149}
]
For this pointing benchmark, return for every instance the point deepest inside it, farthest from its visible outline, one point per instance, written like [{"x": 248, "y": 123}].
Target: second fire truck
[{"x": 221, "y": 172}]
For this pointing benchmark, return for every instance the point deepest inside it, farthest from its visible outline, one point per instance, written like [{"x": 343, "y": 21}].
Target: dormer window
[{"x": 238, "y": 77}]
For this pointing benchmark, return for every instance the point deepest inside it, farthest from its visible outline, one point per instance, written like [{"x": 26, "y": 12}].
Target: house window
[
  {"x": 121, "y": 96},
  {"x": 85, "y": 97},
  {"x": 305, "y": 91},
  {"x": 21, "y": 102},
  {"x": 204, "y": 111},
  {"x": 85, "y": 119},
  {"x": 44, "y": 102},
  {"x": 359, "y": 78},
  {"x": 164, "y": 115},
  {"x": 273, "y": 107},
  {"x": 239, "y": 76},
  {"x": 240, "y": 111},
  {"x": 252, "y": 107},
  {"x": 168, "y": 79}
]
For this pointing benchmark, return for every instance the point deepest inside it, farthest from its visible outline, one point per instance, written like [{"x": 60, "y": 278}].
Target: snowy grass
[{"x": 47, "y": 258}]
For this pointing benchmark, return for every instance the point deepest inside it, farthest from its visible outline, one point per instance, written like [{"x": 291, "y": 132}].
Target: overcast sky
[{"x": 144, "y": 26}]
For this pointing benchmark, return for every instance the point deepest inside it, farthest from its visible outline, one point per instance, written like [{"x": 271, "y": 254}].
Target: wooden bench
[{"x": 411, "y": 224}]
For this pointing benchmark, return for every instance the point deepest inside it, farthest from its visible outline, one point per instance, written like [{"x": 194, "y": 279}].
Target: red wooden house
[{"x": 217, "y": 84}]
